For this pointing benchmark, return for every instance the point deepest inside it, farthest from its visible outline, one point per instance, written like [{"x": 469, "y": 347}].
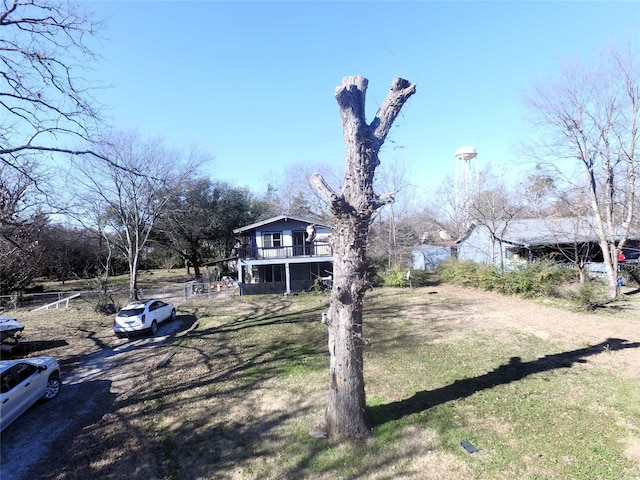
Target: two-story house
[{"x": 283, "y": 254}]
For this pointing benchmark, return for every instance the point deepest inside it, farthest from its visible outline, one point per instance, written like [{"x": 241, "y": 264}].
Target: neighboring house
[
  {"x": 525, "y": 240},
  {"x": 283, "y": 254}
]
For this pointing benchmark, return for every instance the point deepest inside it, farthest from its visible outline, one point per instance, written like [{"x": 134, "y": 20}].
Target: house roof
[
  {"x": 278, "y": 219},
  {"x": 529, "y": 232},
  {"x": 425, "y": 247}
]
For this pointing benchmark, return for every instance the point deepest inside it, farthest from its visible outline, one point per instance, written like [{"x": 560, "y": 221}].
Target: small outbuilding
[{"x": 429, "y": 256}]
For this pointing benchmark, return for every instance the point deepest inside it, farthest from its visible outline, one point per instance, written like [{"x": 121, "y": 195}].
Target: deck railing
[{"x": 315, "y": 250}]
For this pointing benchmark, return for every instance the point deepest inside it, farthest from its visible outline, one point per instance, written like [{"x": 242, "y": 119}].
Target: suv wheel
[{"x": 53, "y": 387}]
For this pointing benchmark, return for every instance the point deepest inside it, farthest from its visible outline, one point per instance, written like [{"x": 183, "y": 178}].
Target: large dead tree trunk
[{"x": 352, "y": 210}]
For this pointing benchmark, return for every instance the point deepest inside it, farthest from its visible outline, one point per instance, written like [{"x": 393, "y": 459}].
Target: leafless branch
[{"x": 43, "y": 97}]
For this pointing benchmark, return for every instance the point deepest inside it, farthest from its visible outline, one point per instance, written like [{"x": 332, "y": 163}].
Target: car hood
[{"x": 9, "y": 324}]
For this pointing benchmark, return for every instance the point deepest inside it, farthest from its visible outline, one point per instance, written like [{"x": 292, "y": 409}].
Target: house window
[
  {"x": 272, "y": 273},
  {"x": 272, "y": 239}
]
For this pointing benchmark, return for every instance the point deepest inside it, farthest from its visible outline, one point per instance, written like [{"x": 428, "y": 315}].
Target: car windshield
[{"x": 131, "y": 312}]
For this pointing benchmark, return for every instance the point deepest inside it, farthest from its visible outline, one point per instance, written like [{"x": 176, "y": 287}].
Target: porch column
[
  {"x": 287, "y": 278},
  {"x": 240, "y": 279},
  {"x": 240, "y": 271}
]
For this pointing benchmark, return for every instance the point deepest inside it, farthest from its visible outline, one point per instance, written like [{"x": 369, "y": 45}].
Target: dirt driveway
[{"x": 93, "y": 386}]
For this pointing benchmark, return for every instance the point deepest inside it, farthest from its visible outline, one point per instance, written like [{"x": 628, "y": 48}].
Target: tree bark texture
[{"x": 352, "y": 209}]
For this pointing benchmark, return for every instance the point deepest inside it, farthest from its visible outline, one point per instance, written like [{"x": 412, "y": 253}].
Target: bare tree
[
  {"x": 44, "y": 98},
  {"x": 573, "y": 241},
  {"x": 589, "y": 118},
  {"x": 70, "y": 252},
  {"x": 129, "y": 200},
  {"x": 290, "y": 192},
  {"x": 21, "y": 227},
  {"x": 445, "y": 216},
  {"x": 394, "y": 233},
  {"x": 494, "y": 207},
  {"x": 539, "y": 194},
  {"x": 93, "y": 215},
  {"x": 352, "y": 209}
]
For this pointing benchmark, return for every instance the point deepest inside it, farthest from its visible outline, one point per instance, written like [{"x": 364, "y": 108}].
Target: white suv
[
  {"x": 142, "y": 316},
  {"x": 23, "y": 382}
]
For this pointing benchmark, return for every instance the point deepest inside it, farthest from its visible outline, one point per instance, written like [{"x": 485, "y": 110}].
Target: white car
[
  {"x": 23, "y": 382},
  {"x": 142, "y": 316}
]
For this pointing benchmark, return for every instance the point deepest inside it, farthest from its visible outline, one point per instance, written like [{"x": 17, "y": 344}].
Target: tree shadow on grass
[
  {"x": 22, "y": 349},
  {"x": 515, "y": 370},
  {"x": 261, "y": 317}
]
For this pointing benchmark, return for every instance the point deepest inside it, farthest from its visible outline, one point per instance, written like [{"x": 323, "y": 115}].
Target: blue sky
[{"x": 252, "y": 83}]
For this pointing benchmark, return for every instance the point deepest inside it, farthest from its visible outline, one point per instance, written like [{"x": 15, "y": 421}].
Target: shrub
[
  {"x": 530, "y": 280},
  {"x": 468, "y": 274},
  {"x": 395, "y": 277},
  {"x": 105, "y": 305},
  {"x": 589, "y": 296},
  {"x": 421, "y": 278}
]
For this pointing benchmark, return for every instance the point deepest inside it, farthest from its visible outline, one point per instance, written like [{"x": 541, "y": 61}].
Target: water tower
[{"x": 466, "y": 174}]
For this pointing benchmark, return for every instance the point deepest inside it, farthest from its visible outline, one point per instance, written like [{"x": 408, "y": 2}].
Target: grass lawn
[
  {"x": 241, "y": 395},
  {"x": 541, "y": 392}
]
